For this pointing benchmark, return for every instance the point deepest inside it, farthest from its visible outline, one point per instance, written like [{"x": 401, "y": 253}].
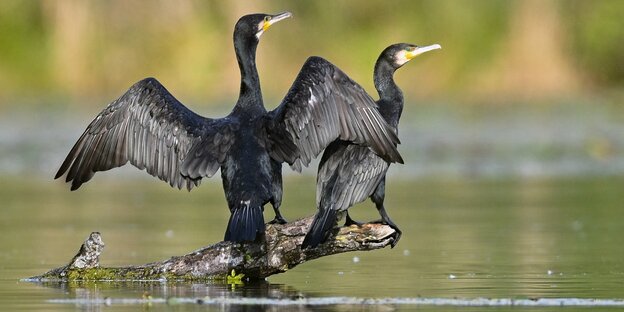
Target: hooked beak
[
  {"x": 274, "y": 19},
  {"x": 421, "y": 50}
]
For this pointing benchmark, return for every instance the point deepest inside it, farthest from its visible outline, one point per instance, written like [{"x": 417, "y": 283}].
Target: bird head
[
  {"x": 401, "y": 53},
  {"x": 254, "y": 25}
]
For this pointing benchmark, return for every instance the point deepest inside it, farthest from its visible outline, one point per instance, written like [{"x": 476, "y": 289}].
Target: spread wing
[
  {"x": 146, "y": 126},
  {"x": 205, "y": 157},
  {"x": 322, "y": 105},
  {"x": 348, "y": 174}
]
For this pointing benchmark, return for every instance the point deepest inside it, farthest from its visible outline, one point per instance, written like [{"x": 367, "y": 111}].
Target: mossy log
[{"x": 279, "y": 251}]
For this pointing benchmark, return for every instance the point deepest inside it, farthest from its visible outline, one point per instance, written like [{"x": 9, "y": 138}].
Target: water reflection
[
  {"x": 98, "y": 296},
  {"x": 264, "y": 296}
]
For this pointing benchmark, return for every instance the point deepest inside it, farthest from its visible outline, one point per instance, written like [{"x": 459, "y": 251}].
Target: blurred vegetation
[{"x": 77, "y": 51}]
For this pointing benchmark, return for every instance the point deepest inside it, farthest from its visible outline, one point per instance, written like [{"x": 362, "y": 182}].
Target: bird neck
[
  {"x": 390, "y": 96},
  {"x": 250, "y": 93}
]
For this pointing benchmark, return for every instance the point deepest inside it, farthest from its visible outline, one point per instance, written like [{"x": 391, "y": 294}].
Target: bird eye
[
  {"x": 267, "y": 18},
  {"x": 410, "y": 49}
]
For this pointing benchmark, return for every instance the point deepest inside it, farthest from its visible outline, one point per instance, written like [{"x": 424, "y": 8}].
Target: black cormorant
[
  {"x": 152, "y": 130},
  {"x": 348, "y": 173}
]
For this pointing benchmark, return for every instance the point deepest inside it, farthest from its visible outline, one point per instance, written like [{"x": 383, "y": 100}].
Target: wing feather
[
  {"x": 348, "y": 174},
  {"x": 146, "y": 126},
  {"x": 323, "y": 105}
]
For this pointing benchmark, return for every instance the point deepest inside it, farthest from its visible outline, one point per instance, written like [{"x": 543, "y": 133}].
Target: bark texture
[{"x": 277, "y": 253}]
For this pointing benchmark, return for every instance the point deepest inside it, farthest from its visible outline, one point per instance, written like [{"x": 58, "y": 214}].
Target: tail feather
[
  {"x": 246, "y": 222},
  {"x": 320, "y": 229}
]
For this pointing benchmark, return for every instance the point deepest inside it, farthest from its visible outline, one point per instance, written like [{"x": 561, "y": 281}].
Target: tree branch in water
[{"x": 277, "y": 253}]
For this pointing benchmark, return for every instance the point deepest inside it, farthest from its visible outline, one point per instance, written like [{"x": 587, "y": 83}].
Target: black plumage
[
  {"x": 152, "y": 130},
  {"x": 349, "y": 173}
]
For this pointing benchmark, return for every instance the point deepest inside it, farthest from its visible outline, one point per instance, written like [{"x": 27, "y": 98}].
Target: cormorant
[
  {"x": 348, "y": 173},
  {"x": 152, "y": 130}
]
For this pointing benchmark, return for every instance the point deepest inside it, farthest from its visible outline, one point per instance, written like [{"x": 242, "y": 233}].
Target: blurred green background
[
  {"x": 520, "y": 87},
  {"x": 494, "y": 51}
]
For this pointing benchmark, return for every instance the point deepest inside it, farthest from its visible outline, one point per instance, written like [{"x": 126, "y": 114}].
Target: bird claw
[
  {"x": 396, "y": 236},
  {"x": 350, "y": 222},
  {"x": 278, "y": 220}
]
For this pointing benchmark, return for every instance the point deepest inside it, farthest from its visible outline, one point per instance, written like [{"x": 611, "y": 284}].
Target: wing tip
[
  {"x": 75, "y": 185},
  {"x": 392, "y": 155},
  {"x": 59, "y": 174},
  {"x": 399, "y": 159}
]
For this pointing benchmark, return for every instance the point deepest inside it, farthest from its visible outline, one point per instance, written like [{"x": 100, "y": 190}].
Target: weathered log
[{"x": 279, "y": 251}]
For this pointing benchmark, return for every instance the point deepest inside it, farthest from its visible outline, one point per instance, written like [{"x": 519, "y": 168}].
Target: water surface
[
  {"x": 511, "y": 202},
  {"x": 463, "y": 238}
]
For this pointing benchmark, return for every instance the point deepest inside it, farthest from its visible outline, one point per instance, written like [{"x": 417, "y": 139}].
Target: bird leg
[
  {"x": 378, "y": 198},
  {"x": 385, "y": 219},
  {"x": 350, "y": 222},
  {"x": 278, "y": 217}
]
